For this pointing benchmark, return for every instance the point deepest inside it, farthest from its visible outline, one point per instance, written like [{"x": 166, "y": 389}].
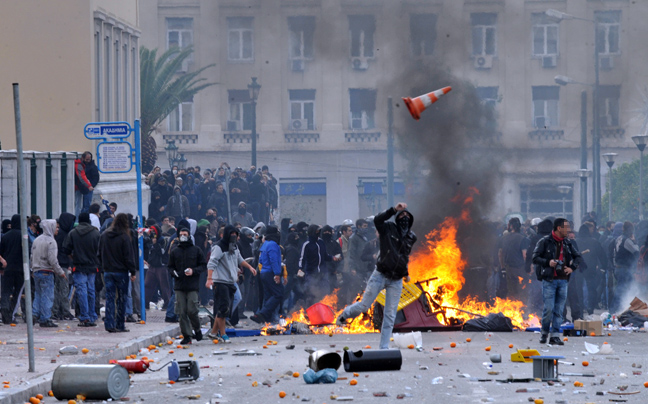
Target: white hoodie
[{"x": 44, "y": 250}]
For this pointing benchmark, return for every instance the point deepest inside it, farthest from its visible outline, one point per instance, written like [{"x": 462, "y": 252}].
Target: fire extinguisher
[{"x": 135, "y": 366}]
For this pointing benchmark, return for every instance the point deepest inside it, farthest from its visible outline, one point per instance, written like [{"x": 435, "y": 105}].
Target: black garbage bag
[
  {"x": 630, "y": 318},
  {"x": 492, "y": 322}
]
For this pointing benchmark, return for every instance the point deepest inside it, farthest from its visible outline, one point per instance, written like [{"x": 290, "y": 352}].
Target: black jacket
[
  {"x": 394, "y": 247},
  {"x": 544, "y": 228},
  {"x": 11, "y": 246},
  {"x": 83, "y": 245},
  {"x": 186, "y": 255},
  {"x": 66, "y": 224},
  {"x": 547, "y": 250},
  {"x": 116, "y": 253},
  {"x": 92, "y": 173}
]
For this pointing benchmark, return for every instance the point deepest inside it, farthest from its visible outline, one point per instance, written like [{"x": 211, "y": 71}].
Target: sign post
[{"x": 115, "y": 155}]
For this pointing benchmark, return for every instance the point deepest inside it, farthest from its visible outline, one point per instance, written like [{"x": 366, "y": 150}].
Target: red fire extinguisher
[{"x": 135, "y": 366}]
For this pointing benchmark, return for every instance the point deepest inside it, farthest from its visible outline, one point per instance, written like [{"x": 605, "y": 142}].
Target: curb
[{"x": 43, "y": 383}]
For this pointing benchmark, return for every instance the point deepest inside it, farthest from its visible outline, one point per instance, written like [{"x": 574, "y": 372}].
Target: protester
[
  {"x": 271, "y": 275},
  {"x": 511, "y": 256},
  {"x": 61, "y": 307},
  {"x": 595, "y": 261},
  {"x": 626, "y": 254},
  {"x": 12, "y": 274},
  {"x": 82, "y": 185},
  {"x": 45, "y": 265}
]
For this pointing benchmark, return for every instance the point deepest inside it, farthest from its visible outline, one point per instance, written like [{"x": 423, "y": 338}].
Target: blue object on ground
[
  {"x": 563, "y": 327},
  {"x": 233, "y": 332},
  {"x": 323, "y": 376}
]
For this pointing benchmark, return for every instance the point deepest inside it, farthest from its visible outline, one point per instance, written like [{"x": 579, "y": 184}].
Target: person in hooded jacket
[
  {"x": 61, "y": 307},
  {"x": 271, "y": 276},
  {"x": 82, "y": 244},
  {"x": 45, "y": 265},
  {"x": 156, "y": 207},
  {"x": 178, "y": 205},
  {"x": 595, "y": 261},
  {"x": 186, "y": 262},
  {"x": 245, "y": 247},
  {"x": 292, "y": 290},
  {"x": 157, "y": 279},
  {"x": 334, "y": 249},
  {"x": 286, "y": 222},
  {"x": 243, "y": 216},
  {"x": 396, "y": 242},
  {"x": 117, "y": 260},
  {"x": 535, "y": 303},
  {"x": 6, "y": 226},
  {"x": 12, "y": 272},
  {"x": 312, "y": 266}
]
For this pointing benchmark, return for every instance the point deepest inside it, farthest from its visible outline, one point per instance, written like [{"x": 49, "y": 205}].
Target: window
[
  {"x": 545, "y": 35},
  {"x": 302, "y": 31},
  {"x": 240, "y": 46},
  {"x": 302, "y": 109},
  {"x": 488, "y": 95},
  {"x": 484, "y": 29},
  {"x": 180, "y": 34},
  {"x": 545, "y": 106},
  {"x": 609, "y": 26},
  {"x": 362, "y": 109},
  {"x": 543, "y": 200},
  {"x": 609, "y": 106},
  {"x": 181, "y": 119},
  {"x": 362, "y": 29},
  {"x": 240, "y": 110},
  {"x": 423, "y": 33}
]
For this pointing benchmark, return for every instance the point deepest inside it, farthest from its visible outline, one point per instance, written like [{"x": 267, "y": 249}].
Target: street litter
[
  {"x": 437, "y": 380},
  {"x": 594, "y": 349},
  {"x": 323, "y": 376},
  {"x": 245, "y": 352},
  {"x": 69, "y": 350},
  {"x": 405, "y": 340},
  {"x": 94, "y": 382},
  {"x": 372, "y": 360}
]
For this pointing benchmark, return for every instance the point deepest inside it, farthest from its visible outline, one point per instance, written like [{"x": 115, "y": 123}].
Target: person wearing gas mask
[
  {"x": 357, "y": 244},
  {"x": 178, "y": 205},
  {"x": 222, "y": 275},
  {"x": 186, "y": 262},
  {"x": 396, "y": 242}
]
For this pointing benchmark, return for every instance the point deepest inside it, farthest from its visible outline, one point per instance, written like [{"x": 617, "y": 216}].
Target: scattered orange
[
  {"x": 282, "y": 394},
  {"x": 34, "y": 400},
  {"x": 367, "y": 347},
  {"x": 249, "y": 374},
  {"x": 578, "y": 384},
  {"x": 7, "y": 386},
  {"x": 538, "y": 401},
  {"x": 6, "y": 382},
  {"x": 171, "y": 382},
  {"x": 171, "y": 351},
  {"x": 592, "y": 334},
  {"x": 170, "y": 342},
  {"x": 151, "y": 347},
  {"x": 609, "y": 334},
  {"x": 215, "y": 341},
  {"x": 296, "y": 374},
  {"x": 488, "y": 348},
  {"x": 605, "y": 343},
  {"x": 410, "y": 346},
  {"x": 565, "y": 339},
  {"x": 50, "y": 393},
  {"x": 13, "y": 324},
  {"x": 646, "y": 385},
  {"x": 254, "y": 384},
  {"x": 190, "y": 354},
  {"x": 510, "y": 345},
  {"x": 156, "y": 351},
  {"x": 585, "y": 363},
  {"x": 179, "y": 346},
  {"x": 71, "y": 402},
  {"x": 356, "y": 374},
  {"x": 468, "y": 340},
  {"x": 85, "y": 350},
  {"x": 142, "y": 322},
  {"x": 39, "y": 396},
  {"x": 265, "y": 347},
  {"x": 452, "y": 345},
  {"x": 353, "y": 382}
]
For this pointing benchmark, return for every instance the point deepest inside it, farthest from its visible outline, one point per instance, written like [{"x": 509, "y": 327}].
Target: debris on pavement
[{"x": 323, "y": 376}]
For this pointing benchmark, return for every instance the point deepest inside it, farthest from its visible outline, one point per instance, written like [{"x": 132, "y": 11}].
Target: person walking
[
  {"x": 82, "y": 184},
  {"x": 186, "y": 262},
  {"x": 624, "y": 257},
  {"x": 157, "y": 278},
  {"x": 555, "y": 259},
  {"x": 44, "y": 263},
  {"x": 82, "y": 244},
  {"x": 116, "y": 255},
  {"x": 396, "y": 242},
  {"x": 271, "y": 276}
]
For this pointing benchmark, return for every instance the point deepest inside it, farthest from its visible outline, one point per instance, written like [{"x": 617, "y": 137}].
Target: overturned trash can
[
  {"x": 324, "y": 359},
  {"x": 94, "y": 382},
  {"x": 371, "y": 360}
]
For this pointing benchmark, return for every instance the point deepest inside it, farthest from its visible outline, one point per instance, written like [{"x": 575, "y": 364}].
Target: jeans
[
  {"x": 87, "y": 201},
  {"x": 44, "y": 295},
  {"x": 116, "y": 287},
  {"x": 84, "y": 283},
  {"x": 78, "y": 202},
  {"x": 554, "y": 295},
  {"x": 272, "y": 295},
  {"x": 11, "y": 283},
  {"x": 133, "y": 303},
  {"x": 187, "y": 311},
  {"x": 393, "y": 289}
]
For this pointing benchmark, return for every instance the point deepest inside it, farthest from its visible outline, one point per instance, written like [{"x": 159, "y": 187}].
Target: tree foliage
[{"x": 625, "y": 192}]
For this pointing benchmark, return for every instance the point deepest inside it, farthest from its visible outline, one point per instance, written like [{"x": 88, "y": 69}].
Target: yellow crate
[{"x": 410, "y": 293}]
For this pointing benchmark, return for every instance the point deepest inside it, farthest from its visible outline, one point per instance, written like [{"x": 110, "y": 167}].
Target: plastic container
[
  {"x": 411, "y": 338},
  {"x": 320, "y": 314}
]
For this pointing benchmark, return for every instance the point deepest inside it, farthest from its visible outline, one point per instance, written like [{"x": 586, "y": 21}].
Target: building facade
[{"x": 321, "y": 115}]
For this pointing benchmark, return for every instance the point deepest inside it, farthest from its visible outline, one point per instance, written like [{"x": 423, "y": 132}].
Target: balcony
[
  {"x": 547, "y": 134},
  {"x": 362, "y": 137}
]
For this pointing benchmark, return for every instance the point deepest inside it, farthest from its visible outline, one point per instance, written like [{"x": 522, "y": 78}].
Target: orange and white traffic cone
[{"x": 420, "y": 103}]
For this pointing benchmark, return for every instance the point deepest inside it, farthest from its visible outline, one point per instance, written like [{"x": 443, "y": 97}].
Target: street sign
[
  {"x": 104, "y": 130},
  {"x": 114, "y": 157}
]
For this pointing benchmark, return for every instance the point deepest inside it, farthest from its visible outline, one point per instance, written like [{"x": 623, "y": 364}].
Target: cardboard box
[{"x": 589, "y": 327}]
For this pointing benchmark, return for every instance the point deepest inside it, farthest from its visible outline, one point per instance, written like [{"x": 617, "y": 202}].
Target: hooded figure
[
  {"x": 61, "y": 307},
  {"x": 595, "y": 260},
  {"x": 334, "y": 249},
  {"x": 312, "y": 264},
  {"x": 6, "y": 226},
  {"x": 271, "y": 276},
  {"x": 178, "y": 205},
  {"x": 44, "y": 263},
  {"x": 156, "y": 207},
  {"x": 285, "y": 229},
  {"x": 12, "y": 278}
]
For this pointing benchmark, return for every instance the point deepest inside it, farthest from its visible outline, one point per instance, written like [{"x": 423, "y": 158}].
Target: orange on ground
[
  {"x": 410, "y": 346},
  {"x": 6, "y": 386},
  {"x": 171, "y": 351},
  {"x": 50, "y": 393},
  {"x": 6, "y": 382},
  {"x": 265, "y": 347},
  {"x": 215, "y": 341},
  {"x": 85, "y": 350},
  {"x": 171, "y": 382},
  {"x": 646, "y": 385},
  {"x": 142, "y": 322},
  {"x": 296, "y": 374},
  {"x": 39, "y": 396},
  {"x": 71, "y": 402},
  {"x": 282, "y": 394},
  {"x": 578, "y": 384},
  {"x": 353, "y": 382},
  {"x": 34, "y": 400},
  {"x": 565, "y": 339},
  {"x": 356, "y": 374},
  {"x": 13, "y": 324},
  {"x": 190, "y": 354},
  {"x": 510, "y": 345},
  {"x": 538, "y": 401},
  {"x": 179, "y": 346},
  {"x": 585, "y": 363},
  {"x": 488, "y": 348},
  {"x": 592, "y": 334},
  {"x": 452, "y": 345},
  {"x": 468, "y": 340},
  {"x": 151, "y": 347},
  {"x": 249, "y": 374},
  {"x": 367, "y": 347},
  {"x": 254, "y": 384},
  {"x": 170, "y": 342},
  {"x": 605, "y": 343}
]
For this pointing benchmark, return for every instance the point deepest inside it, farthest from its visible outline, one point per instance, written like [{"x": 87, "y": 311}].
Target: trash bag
[
  {"x": 323, "y": 376},
  {"x": 493, "y": 322},
  {"x": 630, "y": 318}
]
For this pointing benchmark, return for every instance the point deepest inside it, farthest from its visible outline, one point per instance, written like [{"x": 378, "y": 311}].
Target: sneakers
[
  {"x": 185, "y": 341},
  {"x": 49, "y": 324},
  {"x": 555, "y": 341},
  {"x": 543, "y": 339},
  {"x": 170, "y": 319},
  {"x": 87, "y": 323},
  {"x": 341, "y": 321},
  {"x": 226, "y": 339},
  {"x": 257, "y": 318},
  {"x": 198, "y": 335},
  {"x": 130, "y": 319}
]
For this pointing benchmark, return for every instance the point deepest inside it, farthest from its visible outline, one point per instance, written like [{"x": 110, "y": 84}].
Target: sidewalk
[{"x": 103, "y": 346}]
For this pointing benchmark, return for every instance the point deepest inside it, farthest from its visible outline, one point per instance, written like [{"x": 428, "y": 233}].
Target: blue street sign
[
  {"x": 103, "y": 130},
  {"x": 114, "y": 157}
]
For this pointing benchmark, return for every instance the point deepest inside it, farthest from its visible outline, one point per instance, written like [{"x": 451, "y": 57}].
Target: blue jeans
[
  {"x": 375, "y": 284},
  {"x": 116, "y": 286},
  {"x": 87, "y": 201},
  {"x": 237, "y": 297},
  {"x": 272, "y": 295},
  {"x": 78, "y": 203},
  {"x": 554, "y": 295},
  {"x": 129, "y": 300},
  {"x": 44, "y": 295},
  {"x": 85, "y": 294}
]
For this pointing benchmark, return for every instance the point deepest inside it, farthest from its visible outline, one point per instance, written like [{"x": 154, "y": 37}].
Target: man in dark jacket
[
  {"x": 334, "y": 249},
  {"x": 292, "y": 290},
  {"x": 82, "y": 184},
  {"x": 534, "y": 304},
  {"x": 12, "y": 273},
  {"x": 595, "y": 263},
  {"x": 396, "y": 242},
  {"x": 312, "y": 266},
  {"x": 555, "y": 259},
  {"x": 92, "y": 173},
  {"x": 61, "y": 307},
  {"x": 625, "y": 253},
  {"x": 157, "y": 278},
  {"x": 117, "y": 259},
  {"x": 512, "y": 255},
  {"x": 186, "y": 262},
  {"x": 82, "y": 244}
]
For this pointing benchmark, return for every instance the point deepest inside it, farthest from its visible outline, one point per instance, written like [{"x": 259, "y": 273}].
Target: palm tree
[{"x": 162, "y": 89}]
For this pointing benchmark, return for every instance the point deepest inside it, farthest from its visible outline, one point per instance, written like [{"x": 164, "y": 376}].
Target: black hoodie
[
  {"x": 11, "y": 246},
  {"x": 544, "y": 229},
  {"x": 83, "y": 244},
  {"x": 186, "y": 255},
  {"x": 116, "y": 253},
  {"x": 395, "y": 247},
  {"x": 66, "y": 224}
]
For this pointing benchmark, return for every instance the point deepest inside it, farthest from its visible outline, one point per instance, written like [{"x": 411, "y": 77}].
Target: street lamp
[
  {"x": 596, "y": 139},
  {"x": 609, "y": 159},
  {"x": 583, "y": 173},
  {"x": 254, "y": 95},
  {"x": 640, "y": 141},
  {"x": 171, "y": 152},
  {"x": 564, "y": 190},
  {"x": 181, "y": 162}
]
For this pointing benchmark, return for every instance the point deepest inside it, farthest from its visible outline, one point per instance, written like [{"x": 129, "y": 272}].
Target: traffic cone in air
[{"x": 420, "y": 103}]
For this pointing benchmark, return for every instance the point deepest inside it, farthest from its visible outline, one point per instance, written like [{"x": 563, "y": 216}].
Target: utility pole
[{"x": 390, "y": 153}]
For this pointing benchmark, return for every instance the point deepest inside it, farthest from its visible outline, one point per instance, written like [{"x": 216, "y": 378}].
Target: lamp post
[
  {"x": 254, "y": 88},
  {"x": 609, "y": 159},
  {"x": 181, "y": 162},
  {"x": 564, "y": 190},
  {"x": 583, "y": 174},
  {"x": 596, "y": 138},
  {"x": 171, "y": 152},
  {"x": 640, "y": 141}
]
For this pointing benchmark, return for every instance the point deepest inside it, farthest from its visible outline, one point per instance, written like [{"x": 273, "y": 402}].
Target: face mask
[
  {"x": 404, "y": 222},
  {"x": 242, "y": 211},
  {"x": 362, "y": 231},
  {"x": 175, "y": 172},
  {"x": 184, "y": 239},
  {"x": 327, "y": 236},
  {"x": 232, "y": 243}
]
